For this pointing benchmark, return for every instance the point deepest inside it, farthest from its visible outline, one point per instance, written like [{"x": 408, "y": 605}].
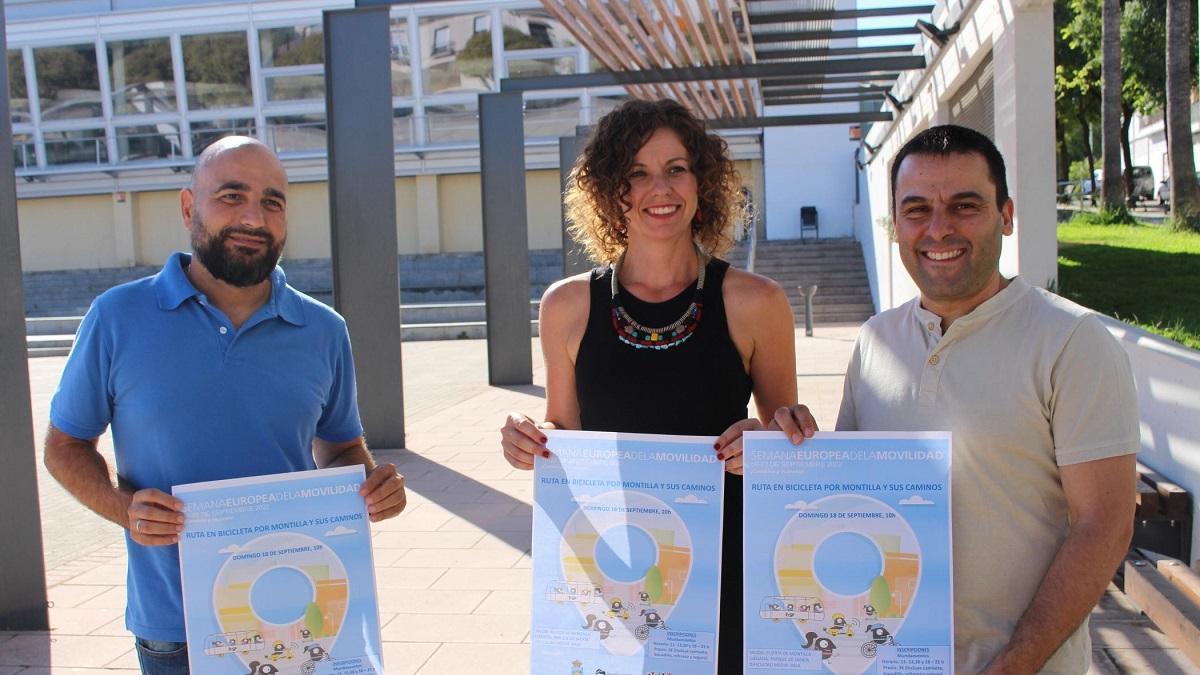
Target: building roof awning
[{"x": 712, "y": 54}]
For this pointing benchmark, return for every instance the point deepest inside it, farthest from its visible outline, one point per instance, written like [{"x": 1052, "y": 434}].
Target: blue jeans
[{"x": 162, "y": 658}]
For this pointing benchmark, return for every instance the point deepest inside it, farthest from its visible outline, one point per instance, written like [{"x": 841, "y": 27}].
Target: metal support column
[
  {"x": 575, "y": 260},
  {"x": 362, "y": 206},
  {"x": 23, "y": 589},
  {"x": 505, "y": 238}
]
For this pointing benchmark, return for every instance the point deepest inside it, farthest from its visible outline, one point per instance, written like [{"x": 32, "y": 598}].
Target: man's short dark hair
[{"x": 952, "y": 139}]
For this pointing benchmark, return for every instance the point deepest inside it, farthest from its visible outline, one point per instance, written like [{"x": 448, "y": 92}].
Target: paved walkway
[{"x": 453, "y": 569}]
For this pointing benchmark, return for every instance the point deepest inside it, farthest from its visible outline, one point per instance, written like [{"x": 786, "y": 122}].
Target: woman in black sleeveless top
[{"x": 664, "y": 338}]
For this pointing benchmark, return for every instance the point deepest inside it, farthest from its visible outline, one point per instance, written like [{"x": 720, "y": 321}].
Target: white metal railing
[{"x": 76, "y": 151}]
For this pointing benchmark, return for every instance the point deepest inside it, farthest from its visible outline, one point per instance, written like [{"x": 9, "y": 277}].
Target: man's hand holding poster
[
  {"x": 278, "y": 575},
  {"x": 848, "y": 554}
]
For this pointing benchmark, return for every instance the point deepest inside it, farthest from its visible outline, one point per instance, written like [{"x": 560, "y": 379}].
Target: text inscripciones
[
  {"x": 272, "y": 527},
  {"x": 636, "y": 455},
  {"x": 282, "y": 551},
  {"x": 271, "y": 497},
  {"x": 802, "y": 455},
  {"x": 846, "y": 487},
  {"x": 629, "y": 484}
]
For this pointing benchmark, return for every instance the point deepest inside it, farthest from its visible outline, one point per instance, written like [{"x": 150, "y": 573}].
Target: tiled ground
[{"x": 453, "y": 570}]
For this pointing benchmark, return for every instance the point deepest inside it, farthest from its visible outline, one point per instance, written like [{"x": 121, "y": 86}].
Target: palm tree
[
  {"x": 1184, "y": 195},
  {"x": 1112, "y": 192}
]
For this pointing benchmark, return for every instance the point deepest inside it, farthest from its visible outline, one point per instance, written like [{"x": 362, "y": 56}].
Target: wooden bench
[
  {"x": 1168, "y": 593},
  {"x": 1162, "y": 522},
  {"x": 1155, "y": 576}
]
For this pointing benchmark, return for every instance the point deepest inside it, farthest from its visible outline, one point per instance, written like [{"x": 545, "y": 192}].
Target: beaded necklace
[{"x": 674, "y": 334}]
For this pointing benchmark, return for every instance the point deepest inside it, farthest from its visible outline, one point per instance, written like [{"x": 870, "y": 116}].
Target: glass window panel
[
  {"x": 217, "y": 69},
  {"x": 24, "y": 155},
  {"x": 295, "y": 133},
  {"x": 141, "y": 75},
  {"x": 441, "y": 40},
  {"x": 148, "y": 141},
  {"x": 292, "y": 46},
  {"x": 461, "y": 61},
  {"x": 402, "y": 127},
  {"x": 481, "y": 23},
  {"x": 401, "y": 64},
  {"x": 453, "y": 123},
  {"x": 534, "y": 29},
  {"x": 295, "y": 87},
  {"x": 205, "y": 134},
  {"x": 68, "y": 82},
  {"x": 563, "y": 65},
  {"x": 18, "y": 93},
  {"x": 78, "y": 146},
  {"x": 551, "y": 117}
]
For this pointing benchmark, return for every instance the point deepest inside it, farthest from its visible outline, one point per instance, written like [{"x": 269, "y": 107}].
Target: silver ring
[{"x": 137, "y": 525}]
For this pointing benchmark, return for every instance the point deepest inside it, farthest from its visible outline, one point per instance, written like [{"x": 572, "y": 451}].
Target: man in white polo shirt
[{"x": 1039, "y": 398}]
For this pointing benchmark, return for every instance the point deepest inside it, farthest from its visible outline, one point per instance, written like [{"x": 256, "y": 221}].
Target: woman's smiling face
[{"x": 662, "y": 197}]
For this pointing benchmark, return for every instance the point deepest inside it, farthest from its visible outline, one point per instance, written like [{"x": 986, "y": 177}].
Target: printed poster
[
  {"x": 278, "y": 575},
  {"x": 848, "y": 554},
  {"x": 626, "y": 554}
]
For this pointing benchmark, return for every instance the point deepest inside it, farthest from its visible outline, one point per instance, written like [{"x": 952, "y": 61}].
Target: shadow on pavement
[{"x": 501, "y": 515}]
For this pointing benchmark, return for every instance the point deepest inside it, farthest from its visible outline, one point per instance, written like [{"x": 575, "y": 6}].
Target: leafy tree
[
  {"x": 149, "y": 61},
  {"x": 1179, "y": 60},
  {"x": 61, "y": 68},
  {"x": 298, "y": 48},
  {"x": 1112, "y": 191},
  {"x": 1143, "y": 37},
  {"x": 219, "y": 59},
  {"x": 16, "y": 74},
  {"x": 1077, "y": 48},
  {"x": 1077, "y": 70},
  {"x": 211, "y": 61},
  {"x": 475, "y": 58}
]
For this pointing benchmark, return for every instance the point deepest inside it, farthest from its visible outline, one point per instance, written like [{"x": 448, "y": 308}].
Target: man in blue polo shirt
[{"x": 213, "y": 368}]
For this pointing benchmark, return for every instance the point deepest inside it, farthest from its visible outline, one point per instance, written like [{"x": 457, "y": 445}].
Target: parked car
[
  {"x": 1090, "y": 189},
  {"x": 1163, "y": 194},
  {"x": 1143, "y": 184},
  {"x": 1068, "y": 191}
]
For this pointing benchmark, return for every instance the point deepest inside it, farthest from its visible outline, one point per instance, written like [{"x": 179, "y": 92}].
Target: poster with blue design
[
  {"x": 847, "y": 554},
  {"x": 626, "y": 554},
  {"x": 278, "y": 575}
]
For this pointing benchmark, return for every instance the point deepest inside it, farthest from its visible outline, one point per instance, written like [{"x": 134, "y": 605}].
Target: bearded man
[{"x": 213, "y": 368}]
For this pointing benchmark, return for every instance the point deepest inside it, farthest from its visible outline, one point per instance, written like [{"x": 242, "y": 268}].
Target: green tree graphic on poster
[
  {"x": 654, "y": 583},
  {"x": 314, "y": 621},
  {"x": 881, "y": 595}
]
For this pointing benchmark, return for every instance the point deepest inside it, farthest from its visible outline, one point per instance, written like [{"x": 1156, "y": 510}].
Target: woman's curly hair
[{"x": 599, "y": 183}]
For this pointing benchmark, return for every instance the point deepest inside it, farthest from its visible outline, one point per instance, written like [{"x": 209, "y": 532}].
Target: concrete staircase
[
  {"x": 835, "y": 265},
  {"x": 53, "y": 336},
  {"x": 442, "y": 295}
]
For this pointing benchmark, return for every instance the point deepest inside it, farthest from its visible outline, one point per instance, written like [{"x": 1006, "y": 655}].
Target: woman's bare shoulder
[
  {"x": 752, "y": 292},
  {"x": 566, "y": 300}
]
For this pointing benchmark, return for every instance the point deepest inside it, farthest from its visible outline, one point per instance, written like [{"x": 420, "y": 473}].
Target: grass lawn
[{"x": 1148, "y": 276}]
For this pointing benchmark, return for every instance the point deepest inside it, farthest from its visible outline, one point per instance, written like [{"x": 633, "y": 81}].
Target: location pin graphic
[
  {"x": 626, "y": 559},
  {"x": 848, "y": 593},
  {"x": 287, "y": 616}
]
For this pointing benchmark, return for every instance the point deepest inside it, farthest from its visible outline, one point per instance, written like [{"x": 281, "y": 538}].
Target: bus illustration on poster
[
  {"x": 847, "y": 554},
  {"x": 278, "y": 575},
  {"x": 626, "y": 554}
]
